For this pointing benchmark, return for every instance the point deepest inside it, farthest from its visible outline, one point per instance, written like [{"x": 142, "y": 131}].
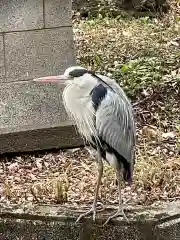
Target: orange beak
[{"x": 51, "y": 79}]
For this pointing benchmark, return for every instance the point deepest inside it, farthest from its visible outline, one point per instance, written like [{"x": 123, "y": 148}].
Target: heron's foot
[
  {"x": 120, "y": 212},
  {"x": 93, "y": 210}
]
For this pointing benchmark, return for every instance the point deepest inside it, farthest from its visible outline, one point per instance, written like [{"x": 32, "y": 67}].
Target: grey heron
[{"x": 104, "y": 117}]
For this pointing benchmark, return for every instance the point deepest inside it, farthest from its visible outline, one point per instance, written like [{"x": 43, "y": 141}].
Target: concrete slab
[
  {"x": 38, "y": 53},
  {"x": 54, "y": 222},
  {"x": 16, "y": 15},
  {"x": 57, "y": 13},
  {"x": 2, "y": 70}
]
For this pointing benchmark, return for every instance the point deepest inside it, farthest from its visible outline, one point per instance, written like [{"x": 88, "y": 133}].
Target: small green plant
[{"x": 141, "y": 73}]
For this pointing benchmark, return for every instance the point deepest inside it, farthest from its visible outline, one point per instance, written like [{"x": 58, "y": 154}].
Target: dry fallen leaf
[
  {"x": 173, "y": 43},
  {"x": 127, "y": 33},
  {"x": 169, "y": 135},
  {"x": 39, "y": 164},
  {"x": 149, "y": 131},
  {"x": 145, "y": 93},
  {"x": 13, "y": 167},
  {"x": 33, "y": 177}
]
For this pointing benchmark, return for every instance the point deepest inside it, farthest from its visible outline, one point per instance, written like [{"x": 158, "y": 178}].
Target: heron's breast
[{"x": 80, "y": 109}]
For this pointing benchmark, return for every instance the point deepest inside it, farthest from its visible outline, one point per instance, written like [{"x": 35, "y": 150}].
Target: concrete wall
[{"x": 36, "y": 39}]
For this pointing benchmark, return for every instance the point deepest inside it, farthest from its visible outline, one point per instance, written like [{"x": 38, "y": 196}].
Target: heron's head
[{"x": 74, "y": 73}]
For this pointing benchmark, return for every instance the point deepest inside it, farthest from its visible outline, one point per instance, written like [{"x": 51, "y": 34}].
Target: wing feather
[{"x": 115, "y": 125}]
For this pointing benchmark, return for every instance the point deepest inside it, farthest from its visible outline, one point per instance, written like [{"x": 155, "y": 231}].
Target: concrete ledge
[
  {"x": 62, "y": 136},
  {"x": 57, "y": 222}
]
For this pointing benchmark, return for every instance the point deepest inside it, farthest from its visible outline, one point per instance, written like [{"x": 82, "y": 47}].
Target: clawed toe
[
  {"x": 93, "y": 211},
  {"x": 120, "y": 212},
  {"x": 86, "y": 214}
]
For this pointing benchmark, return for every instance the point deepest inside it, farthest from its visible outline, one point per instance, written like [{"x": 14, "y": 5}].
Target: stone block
[
  {"x": 57, "y": 13},
  {"x": 38, "y": 53},
  {"x": 2, "y": 70},
  {"x": 54, "y": 222},
  {"x": 16, "y": 15},
  {"x": 27, "y": 105}
]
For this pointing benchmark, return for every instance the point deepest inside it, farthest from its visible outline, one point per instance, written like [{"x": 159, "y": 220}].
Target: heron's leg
[
  {"x": 94, "y": 205},
  {"x": 120, "y": 207}
]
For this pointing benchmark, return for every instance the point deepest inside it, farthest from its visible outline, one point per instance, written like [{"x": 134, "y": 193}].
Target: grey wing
[{"x": 115, "y": 125}]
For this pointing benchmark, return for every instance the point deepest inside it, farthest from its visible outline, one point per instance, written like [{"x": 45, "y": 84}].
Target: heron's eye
[{"x": 70, "y": 76}]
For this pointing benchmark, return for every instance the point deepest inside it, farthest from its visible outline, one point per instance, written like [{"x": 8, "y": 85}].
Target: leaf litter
[{"x": 69, "y": 176}]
